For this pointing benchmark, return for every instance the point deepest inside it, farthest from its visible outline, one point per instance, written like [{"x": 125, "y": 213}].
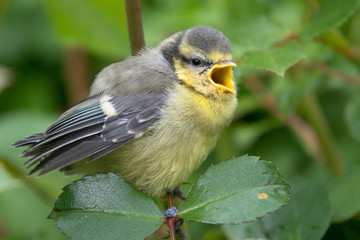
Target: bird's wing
[{"x": 92, "y": 128}]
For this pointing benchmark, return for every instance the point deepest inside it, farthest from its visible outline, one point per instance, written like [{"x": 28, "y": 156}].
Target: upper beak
[{"x": 221, "y": 76}]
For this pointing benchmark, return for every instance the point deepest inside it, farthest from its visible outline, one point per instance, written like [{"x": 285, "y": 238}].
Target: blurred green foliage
[{"x": 306, "y": 122}]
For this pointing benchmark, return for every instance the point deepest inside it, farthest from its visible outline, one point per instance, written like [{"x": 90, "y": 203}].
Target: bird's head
[{"x": 201, "y": 58}]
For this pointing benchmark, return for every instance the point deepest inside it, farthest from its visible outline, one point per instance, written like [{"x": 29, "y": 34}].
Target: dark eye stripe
[{"x": 189, "y": 61}]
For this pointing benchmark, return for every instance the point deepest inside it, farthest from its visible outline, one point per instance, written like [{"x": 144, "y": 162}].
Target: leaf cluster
[{"x": 298, "y": 80}]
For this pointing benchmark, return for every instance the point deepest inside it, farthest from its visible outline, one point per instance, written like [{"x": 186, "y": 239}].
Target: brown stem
[
  {"x": 294, "y": 122},
  {"x": 335, "y": 40},
  {"x": 286, "y": 40},
  {"x": 77, "y": 77},
  {"x": 171, "y": 221},
  {"x": 317, "y": 137},
  {"x": 171, "y": 225},
  {"x": 318, "y": 66},
  {"x": 134, "y": 24},
  {"x": 316, "y": 118},
  {"x": 170, "y": 198}
]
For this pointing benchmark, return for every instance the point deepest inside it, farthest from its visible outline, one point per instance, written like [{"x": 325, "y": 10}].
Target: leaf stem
[
  {"x": 17, "y": 173},
  {"x": 134, "y": 24}
]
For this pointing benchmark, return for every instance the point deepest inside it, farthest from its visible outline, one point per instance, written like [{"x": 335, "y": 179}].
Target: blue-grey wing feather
[{"x": 88, "y": 131}]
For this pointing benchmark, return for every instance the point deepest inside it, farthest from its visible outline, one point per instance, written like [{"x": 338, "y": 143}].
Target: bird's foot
[{"x": 177, "y": 192}]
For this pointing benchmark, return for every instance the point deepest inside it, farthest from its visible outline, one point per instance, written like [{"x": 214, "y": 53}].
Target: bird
[{"x": 153, "y": 117}]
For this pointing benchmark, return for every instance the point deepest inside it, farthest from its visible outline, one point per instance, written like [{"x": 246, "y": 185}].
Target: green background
[{"x": 299, "y": 100}]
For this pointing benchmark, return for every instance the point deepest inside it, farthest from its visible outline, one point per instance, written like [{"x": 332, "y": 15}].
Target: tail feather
[{"x": 30, "y": 140}]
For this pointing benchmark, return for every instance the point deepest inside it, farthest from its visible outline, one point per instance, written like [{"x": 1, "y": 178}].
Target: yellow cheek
[{"x": 185, "y": 74}]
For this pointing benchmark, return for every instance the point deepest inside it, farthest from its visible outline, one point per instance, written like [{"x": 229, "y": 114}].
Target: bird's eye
[{"x": 195, "y": 61}]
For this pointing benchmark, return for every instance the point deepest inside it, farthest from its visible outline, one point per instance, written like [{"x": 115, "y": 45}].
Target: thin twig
[
  {"x": 318, "y": 66},
  {"x": 294, "y": 122},
  {"x": 286, "y": 40},
  {"x": 33, "y": 185},
  {"x": 172, "y": 230},
  {"x": 171, "y": 221},
  {"x": 77, "y": 76},
  {"x": 170, "y": 199},
  {"x": 134, "y": 24},
  {"x": 316, "y": 118},
  {"x": 336, "y": 41},
  {"x": 318, "y": 138}
]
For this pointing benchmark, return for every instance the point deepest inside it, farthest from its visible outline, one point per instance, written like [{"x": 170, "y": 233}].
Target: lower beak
[{"x": 221, "y": 76}]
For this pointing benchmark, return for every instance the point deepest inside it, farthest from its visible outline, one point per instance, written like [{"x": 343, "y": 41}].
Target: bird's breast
[
  {"x": 200, "y": 112},
  {"x": 177, "y": 144}
]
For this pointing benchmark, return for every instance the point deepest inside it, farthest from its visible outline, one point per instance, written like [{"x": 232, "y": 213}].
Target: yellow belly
[{"x": 176, "y": 145}]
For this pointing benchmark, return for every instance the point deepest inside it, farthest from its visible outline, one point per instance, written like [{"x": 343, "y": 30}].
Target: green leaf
[
  {"x": 23, "y": 216},
  {"x": 105, "y": 206},
  {"x": 99, "y": 26},
  {"x": 289, "y": 91},
  {"x": 331, "y": 14},
  {"x": 352, "y": 117},
  {"x": 252, "y": 230},
  {"x": 230, "y": 192},
  {"x": 275, "y": 60},
  {"x": 256, "y": 33},
  {"x": 7, "y": 182},
  {"x": 306, "y": 216},
  {"x": 345, "y": 195}
]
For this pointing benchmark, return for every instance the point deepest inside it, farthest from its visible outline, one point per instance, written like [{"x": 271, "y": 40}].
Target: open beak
[{"x": 221, "y": 76}]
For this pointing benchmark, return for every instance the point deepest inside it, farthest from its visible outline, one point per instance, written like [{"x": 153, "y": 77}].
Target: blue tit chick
[{"x": 153, "y": 117}]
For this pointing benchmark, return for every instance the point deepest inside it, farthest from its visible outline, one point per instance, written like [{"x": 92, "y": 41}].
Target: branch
[
  {"x": 171, "y": 221},
  {"x": 294, "y": 122},
  {"x": 315, "y": 116},
  {"x": 335, "y": 40},
  {"x": 134, "y": 24},
  {"x": 317, "y": 138},
  {"x": 320, "y": 67},
  {"x": 16, "y": 172},
  {"x": 77, "y": 75}
]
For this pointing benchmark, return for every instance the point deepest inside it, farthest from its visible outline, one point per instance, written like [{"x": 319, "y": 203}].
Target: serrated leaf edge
[
  {"x": 255, "y": 158},
  {"x": 279, "y": 73}
]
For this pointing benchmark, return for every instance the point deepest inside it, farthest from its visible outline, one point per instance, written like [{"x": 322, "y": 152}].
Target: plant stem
[
  {"x": 329, "y": 148},
  {"x": 17, "y": 173},
  {"x": 134, "y": 24},
  {"x": 294, "y": 122},
  {"x": 170, "y": 198},
  {"x": 77, "y": 76},
  {"x": 172, "y": 230},
  {"x": 332, "y": 72},
  {"x": 171, "y": 221},
  {"x": 335, "y": 40}
]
